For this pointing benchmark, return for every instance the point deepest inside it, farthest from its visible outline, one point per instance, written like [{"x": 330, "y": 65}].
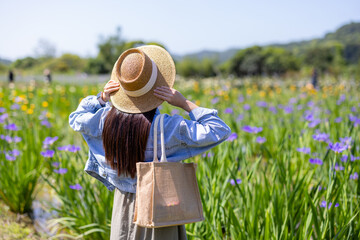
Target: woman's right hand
[
  {"x": 110, "y": 87},
  {"x": 174, "y": 97}
]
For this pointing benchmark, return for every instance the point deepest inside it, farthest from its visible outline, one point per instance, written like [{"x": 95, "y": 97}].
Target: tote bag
[{"x": 167, "y": 193}]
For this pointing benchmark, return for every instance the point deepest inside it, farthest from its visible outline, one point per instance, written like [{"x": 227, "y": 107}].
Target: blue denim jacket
[{"x": 183, "y": 139}]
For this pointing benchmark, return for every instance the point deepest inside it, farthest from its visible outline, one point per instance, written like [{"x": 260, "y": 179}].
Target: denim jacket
[{"x": 183, "y": 139}]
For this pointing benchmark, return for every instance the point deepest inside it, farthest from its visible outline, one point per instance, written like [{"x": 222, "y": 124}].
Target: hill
[{"x": 348, "y": 35}]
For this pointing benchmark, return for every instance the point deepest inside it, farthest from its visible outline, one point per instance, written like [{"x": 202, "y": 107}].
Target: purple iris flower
[
  {"x": 288, "y": 109},
  {"x": 314, "y": 123},
  {"x": 357, "y": 122},
  {"x": 207, "y": 155},
  {"x": 292, "y": 100},
  {"x": 10, "y": 158},
  {"x": 73, "y": 148},
  {"x": 262, "y": 104},
  {"x": 15, "y": 152},
  {"x": 251, "y": 129},
  {"x": 215, "y": 100},
  {"x": 76, "y": 187},
  {"x": 61, "y": 170},
  {"x": 45, "y": 123},
  {"x": 299, "y": 107},
  {"x": 8, "y": 139},
  {"x": 309, "y": 116},
  {"x": 240, "y": 117},
  {"x": 352, "y": 118},
  {"x": 316, "y": 161},
  {"x": 346, "y": 140},
  {"x": 232, "y": 137},
  {"x": 260, "y": 140},
  {"x": 50, "y": 140},
  {"x": 11, "y": 127},
  {"x": 246, "y": 107},
  {"x": 241, "y": 99},
  {"x": 321, "y": 188},
  {"x": 304, "y": 150},
  {"x": 344, "y": 158},
  {"x": 17, "y": 139},
  {"x": 48, "y": 153},
  {"x": 175, "y": 111},
  {"x": 337, "y": 120},
  {"x": 229, "y": 111},
  {"x": 323, "y": 204},
  {"x": 69, "y": 148},
  {"x": 337, "y": 147},
  {"x": 2, "y": 109},
  {"x": 3, "y": 117},
  {"x": 55, "y": 164},
  {"x": 310, "y": 104},
  {"x": 238, "y": 181},
  {"x": 321, "y": 137},
  {"x": 15, "y": 106},
  {"x": 273, "y": 109},
  {"x": 354, "y": 176},
  {"x": 353, "y": 109},
  {"x": 339, "y": 167}
]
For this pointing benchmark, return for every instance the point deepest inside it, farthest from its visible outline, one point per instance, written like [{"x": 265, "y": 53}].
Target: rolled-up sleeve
[{"x": 89, "y": 117}]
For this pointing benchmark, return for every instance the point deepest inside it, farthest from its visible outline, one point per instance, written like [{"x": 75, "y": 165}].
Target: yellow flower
[
  {"x": 32, "y": 106},
  {"x": 31, "y": 95},
  {"x": 262, "y": 94},
  {"x": 24, "y": 107},
  {"x": 293, "y": 88},
  {"x": 196, "y": 87},
  {"x": 48, "y": 115},
  {"x": 197, "y": 102},
  {"x": 226, "y": 97},
  {"x": 249, "y": 91},
  {"x": 1, "y": 95},
  {"x": 45, "y": 104},
  {"x": 30, "y": 111}
]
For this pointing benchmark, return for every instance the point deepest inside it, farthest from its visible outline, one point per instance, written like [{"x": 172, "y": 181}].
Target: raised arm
[
  {"x": 205, "y": 129},
  {"x": 88, "y": 118}
]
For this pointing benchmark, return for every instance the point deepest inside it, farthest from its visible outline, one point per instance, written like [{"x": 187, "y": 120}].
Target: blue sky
[{"x": 182, "y": 26}]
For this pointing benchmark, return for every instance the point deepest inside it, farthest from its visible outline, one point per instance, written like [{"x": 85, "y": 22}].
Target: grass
[{"x": 249, "y": 189}]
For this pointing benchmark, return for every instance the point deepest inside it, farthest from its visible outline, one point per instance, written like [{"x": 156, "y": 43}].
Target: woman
[{"x": 120, "y": 134}]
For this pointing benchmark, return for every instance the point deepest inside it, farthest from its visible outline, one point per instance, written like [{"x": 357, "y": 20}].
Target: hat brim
[{"x": 146, "y": 102}]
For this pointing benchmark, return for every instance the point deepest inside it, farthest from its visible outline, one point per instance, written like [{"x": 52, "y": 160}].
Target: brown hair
[{"x": 124, "y": 139}]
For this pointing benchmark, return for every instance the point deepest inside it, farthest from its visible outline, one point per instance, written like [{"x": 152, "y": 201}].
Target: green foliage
[
  {"x": 3, "y": 68},
  {"x": 65, "y": 63},
  {"x": 257, "y": 61},
  {"x": 25, "y": 63},
  {"x": 279, "y": 196},
  {"x": 190, "y": 67}
]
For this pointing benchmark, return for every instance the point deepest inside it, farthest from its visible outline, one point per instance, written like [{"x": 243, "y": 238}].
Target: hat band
[{"x": 147, "y": 87}]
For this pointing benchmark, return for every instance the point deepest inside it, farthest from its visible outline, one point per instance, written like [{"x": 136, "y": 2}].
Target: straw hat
[{"x": 139, "y": 71}]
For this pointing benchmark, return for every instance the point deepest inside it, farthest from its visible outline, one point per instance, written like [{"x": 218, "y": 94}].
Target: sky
[{"x": 183, "y": 27}]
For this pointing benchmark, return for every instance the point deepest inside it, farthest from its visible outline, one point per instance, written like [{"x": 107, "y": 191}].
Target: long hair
[{"x": 124, "y": 139}]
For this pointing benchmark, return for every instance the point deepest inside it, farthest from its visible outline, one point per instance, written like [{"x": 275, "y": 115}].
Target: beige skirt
[{"x": 123, "y": 228}]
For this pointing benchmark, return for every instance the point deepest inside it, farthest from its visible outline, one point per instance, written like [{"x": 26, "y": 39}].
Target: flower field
[{"x": 289, "y": 170}]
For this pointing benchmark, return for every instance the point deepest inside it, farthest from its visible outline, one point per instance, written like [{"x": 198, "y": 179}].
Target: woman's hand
[
  {"x": 110, "y": 87},
  {"x": 174, "y": 97}
]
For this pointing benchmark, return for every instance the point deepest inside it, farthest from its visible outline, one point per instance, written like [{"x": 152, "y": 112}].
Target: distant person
[
  {"x": 47, "y": 75},
  {"x": 314, "y": 78},
  {"x": 11, "y": 76}
]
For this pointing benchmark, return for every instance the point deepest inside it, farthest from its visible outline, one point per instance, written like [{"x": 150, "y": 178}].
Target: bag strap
[{"x": 156, "y": 123}]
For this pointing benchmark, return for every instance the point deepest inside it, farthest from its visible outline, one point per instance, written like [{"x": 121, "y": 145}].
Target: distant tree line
[{"x": 327, "y": 55}]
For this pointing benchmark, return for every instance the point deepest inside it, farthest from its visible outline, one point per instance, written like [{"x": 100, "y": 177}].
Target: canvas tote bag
[{"x": 167, "y": 193}]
